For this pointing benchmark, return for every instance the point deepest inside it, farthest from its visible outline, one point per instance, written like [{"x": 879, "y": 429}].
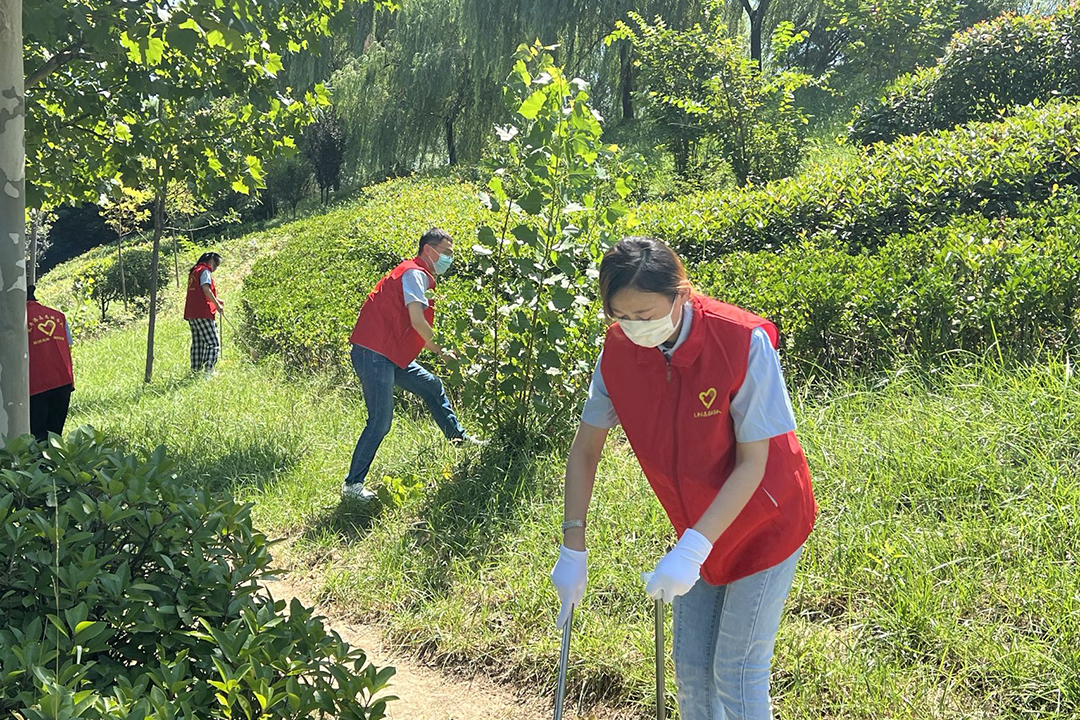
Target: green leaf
[
  {"x": 134, "y": 51},
  {"x": 533, "y": 202},
  {"x": 532, "y": 105},
  {"x": 155, "y": 50}
]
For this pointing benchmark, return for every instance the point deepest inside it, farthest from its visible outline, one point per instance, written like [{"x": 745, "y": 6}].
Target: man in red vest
[
  {"x": 200, "y": 310},
  {"x": 51, "y": 375},
  {"x": 394, "y": 326}
]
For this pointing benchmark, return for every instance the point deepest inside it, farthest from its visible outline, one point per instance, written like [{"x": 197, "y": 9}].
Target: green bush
[
  {"x": 302, "y": 301},
  {"x": 986, "y": 70},
  {"x": 915, "y": 183},
  {"x": 127, "y": 594},
  {"x": 100, "y": 279},
  {"x": 974, "y": 284},
  {"x": 705, "y": 93}
]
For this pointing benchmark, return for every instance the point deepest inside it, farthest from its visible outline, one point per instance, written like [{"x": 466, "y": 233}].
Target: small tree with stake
[{"x": 126, "y": 213}]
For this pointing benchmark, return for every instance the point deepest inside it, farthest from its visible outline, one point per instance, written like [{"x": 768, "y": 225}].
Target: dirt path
[{"x": 429, "y": 692}]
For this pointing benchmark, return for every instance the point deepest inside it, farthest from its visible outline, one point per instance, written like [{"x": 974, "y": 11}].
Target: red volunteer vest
[
  {"x": 384, "y": 325},
  {"x": 676, "y": 417},
  {"x": 197, "y": 304},
  {"x": 50, "y": 356}
]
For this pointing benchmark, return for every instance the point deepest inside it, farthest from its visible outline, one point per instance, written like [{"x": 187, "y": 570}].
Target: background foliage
[{"x": 985, "y": 72}]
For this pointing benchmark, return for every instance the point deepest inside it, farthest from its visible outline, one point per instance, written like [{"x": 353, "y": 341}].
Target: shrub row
[
  {"x": 302, "y": 301},
  {"x": 915, "y": 183},
  {"x": 971, "y": 285},
  {"x": 986, "y": 70}
]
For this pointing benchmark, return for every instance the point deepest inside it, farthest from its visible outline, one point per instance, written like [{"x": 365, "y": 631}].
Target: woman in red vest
[
  {"x": 200, "y": 310},
  {"x": 697, "y": 387},
  {"x": 51, "y": 376}
]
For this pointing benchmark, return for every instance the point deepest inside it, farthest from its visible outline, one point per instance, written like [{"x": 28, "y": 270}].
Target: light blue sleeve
[
  {"x": 598, "y": 410},
  {"x": 414, "y": 285},
  {"x": 204, "y": 277},
  {"x": 761, "y": 408},
  {"x": 67, "y": 331}
]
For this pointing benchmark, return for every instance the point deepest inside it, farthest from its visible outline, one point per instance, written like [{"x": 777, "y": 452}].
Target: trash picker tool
[{"x": 564, "y": 660}]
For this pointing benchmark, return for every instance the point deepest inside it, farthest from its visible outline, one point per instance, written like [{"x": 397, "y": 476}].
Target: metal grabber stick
[
  {"x": 221, "y": 315},
  {"x": 564, "y": 660},
  {"x": 658, "y": 623}
]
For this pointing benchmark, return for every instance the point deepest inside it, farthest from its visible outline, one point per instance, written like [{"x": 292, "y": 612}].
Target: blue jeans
[
  {"x": 724, "y": 640},
  {"x": 378, "y": 376}
]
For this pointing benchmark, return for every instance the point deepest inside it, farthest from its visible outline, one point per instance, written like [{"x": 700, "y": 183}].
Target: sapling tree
[
  {"x": 555, "y": 196},
  {"x": 127, "y": 212}
]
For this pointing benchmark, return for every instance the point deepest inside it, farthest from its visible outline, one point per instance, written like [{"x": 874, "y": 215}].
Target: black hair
[
  {"x": 434, "y": 236},
  {"x": 30, "y": 292},
  {"x": 206, "y": 258},
  {"x": 644, "y": 264}
]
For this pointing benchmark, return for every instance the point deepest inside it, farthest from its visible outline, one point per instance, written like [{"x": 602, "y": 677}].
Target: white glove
[
  {"x": 677, "y": 571},
  {"x": 569, "y": 577}
]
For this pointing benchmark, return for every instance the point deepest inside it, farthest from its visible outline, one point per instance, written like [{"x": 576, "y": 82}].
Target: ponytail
[{"x": 206, "y": 258}]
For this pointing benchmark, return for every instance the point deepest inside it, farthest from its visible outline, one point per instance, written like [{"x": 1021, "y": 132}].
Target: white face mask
[{"x": 651, "y": 333}]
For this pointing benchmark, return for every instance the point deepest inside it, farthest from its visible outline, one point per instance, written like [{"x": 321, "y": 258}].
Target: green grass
[{"x": 940, "y": 581}]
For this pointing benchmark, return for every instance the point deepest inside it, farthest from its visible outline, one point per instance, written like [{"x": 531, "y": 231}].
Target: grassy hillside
[{"x": 939, "y": 582}]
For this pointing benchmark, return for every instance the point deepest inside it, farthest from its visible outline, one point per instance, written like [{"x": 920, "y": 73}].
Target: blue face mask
[{"x": 443, "y": 263}]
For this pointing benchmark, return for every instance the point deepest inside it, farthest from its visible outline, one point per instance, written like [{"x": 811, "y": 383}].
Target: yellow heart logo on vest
[
  {"x": 47, "y": 327},
  {"x": 708, "y": 397}
]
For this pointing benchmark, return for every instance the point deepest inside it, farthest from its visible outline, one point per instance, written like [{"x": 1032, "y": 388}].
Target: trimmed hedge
[
  {"x": 973, "y": 284},
  {"x": 302, "y": 301},
  {"x": 918, "y": 182},
  {"x": 986, "y": 70},
  {"x": 969, "y": 285}
]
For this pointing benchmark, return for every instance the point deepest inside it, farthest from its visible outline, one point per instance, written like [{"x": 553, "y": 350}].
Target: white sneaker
[
  {"x": 356, "y": 491},
  {"x": 468, "y": 439}
]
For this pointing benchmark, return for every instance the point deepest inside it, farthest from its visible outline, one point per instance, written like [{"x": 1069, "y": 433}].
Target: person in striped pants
[{"x": 200, "y": 311}]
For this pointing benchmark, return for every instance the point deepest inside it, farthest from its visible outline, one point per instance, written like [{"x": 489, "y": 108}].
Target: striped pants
[{"x": 205, "y": 344}]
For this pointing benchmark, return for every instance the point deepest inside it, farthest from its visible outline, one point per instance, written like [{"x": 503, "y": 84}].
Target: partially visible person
[
  {"x": 393, "y": 327},
  {"x": 52, "y": 378},
  {"x": 200, "y": 311}
]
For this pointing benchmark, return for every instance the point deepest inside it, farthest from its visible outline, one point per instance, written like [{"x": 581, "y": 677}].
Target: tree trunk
[
  {"x": 35, "y": 229},
  {"x": 451, "y": 146},
  {"x": 626, "y": 81},
  {"x": 681, "y": 150},
  {"x": 120, "y": 262},
  {"x": 756, "y": 15},
  {"x": 159, "y": 222},
  {"x": 14, "y": 362},
  {"x": 755, "y": 39},
  {"x": 176, "y": 260}
]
